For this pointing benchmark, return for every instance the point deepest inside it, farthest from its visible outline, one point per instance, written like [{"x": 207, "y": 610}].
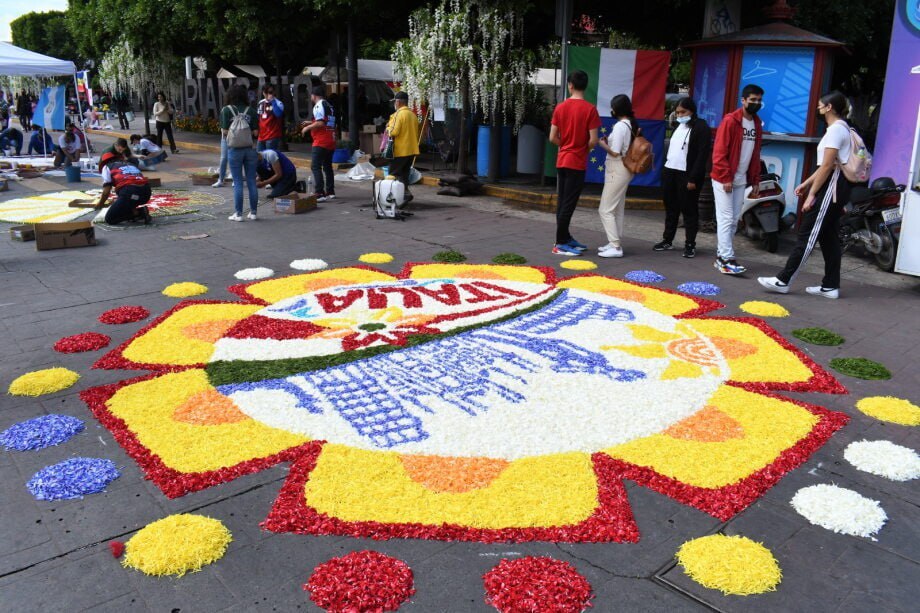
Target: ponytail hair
[
  {"x": 621, "y": 106},
  {"x": 838, "y": 102}
]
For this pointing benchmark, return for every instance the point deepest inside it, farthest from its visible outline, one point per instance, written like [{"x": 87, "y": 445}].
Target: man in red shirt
[
  {"x": 322, "y": 129},
  {"x": 271, "y": 120},
  {"x": 131, "y": 190},
  {"x": 574, "y": 131}
]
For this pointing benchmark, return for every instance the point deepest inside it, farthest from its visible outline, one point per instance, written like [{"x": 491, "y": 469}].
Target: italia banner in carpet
[{"x": 641, "y": 75}]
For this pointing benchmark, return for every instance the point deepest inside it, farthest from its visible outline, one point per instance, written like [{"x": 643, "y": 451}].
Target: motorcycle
[
  {"x": 762, "y": 217},
  {"x": 872, "y": 219}
]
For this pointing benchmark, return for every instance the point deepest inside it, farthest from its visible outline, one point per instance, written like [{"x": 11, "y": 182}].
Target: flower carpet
[{"x": 465, "y": 402}]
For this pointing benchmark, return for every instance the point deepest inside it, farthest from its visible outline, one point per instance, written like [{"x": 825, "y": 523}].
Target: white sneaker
[
  {"x": 817, "y": 290},
  {"x": 252, "y": 216},
  {"x": 612, "y": 252},
  {"x": 330, "y": 197},
  {"x": 217, "y": 184},
  {"x": 605, "y": 247},
  {"x": 235, "y": 217},
  {"x": 772, "y": 284}
]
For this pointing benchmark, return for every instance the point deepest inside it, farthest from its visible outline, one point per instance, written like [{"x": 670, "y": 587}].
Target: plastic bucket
[{"x": 73, "y": 174}]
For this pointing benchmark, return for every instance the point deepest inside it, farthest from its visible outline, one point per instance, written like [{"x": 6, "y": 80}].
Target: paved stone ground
[{"x": 54, "y": 555}]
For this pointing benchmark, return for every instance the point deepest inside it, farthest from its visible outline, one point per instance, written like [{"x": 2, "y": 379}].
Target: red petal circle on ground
[
  {"x": 361, "y": 581},
  {"x": 124, "y": 315},
  {"x": 78, "y": 343},
  {"x": 537, "y": 584}
]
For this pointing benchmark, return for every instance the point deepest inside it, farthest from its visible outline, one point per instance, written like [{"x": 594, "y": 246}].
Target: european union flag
[{"x": 653, "y": 130}]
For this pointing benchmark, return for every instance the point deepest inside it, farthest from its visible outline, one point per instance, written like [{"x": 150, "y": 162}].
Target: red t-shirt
[
  {"x": 573, "y": 118},
  {"x": 270, "y": 124}
]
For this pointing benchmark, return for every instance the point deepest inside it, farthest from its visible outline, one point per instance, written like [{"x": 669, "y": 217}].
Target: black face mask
[{"x": 753, "y": 107}]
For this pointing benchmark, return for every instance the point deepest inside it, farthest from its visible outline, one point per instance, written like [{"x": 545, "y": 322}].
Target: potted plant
[{"x": 342, "y": 152}]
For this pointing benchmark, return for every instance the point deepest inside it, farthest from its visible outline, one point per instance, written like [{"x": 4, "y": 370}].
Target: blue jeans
[
  {"x": 273, "y": 143},
  {"x": 323, "y": 178},
  {"x": 222, "y": 171},
  {"x": 240, "y": 159}
]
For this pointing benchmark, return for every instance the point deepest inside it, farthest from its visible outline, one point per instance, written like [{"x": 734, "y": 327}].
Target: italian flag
[{"x": 641, "y": 75}]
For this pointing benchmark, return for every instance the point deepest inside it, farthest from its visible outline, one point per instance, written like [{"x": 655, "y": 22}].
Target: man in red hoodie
[{"x": 735, "y": 165}]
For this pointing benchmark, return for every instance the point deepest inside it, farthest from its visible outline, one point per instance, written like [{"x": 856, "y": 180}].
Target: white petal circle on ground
[
  {"x": 839, "y": 509},
  {"x": 885, "y": 459},
  {"x": 309, "y": 264},
  {"x": 253, "y": 274}
]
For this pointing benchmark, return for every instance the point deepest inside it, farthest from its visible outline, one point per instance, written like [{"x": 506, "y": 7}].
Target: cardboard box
[
  {"x": 294, "y": 204},
  {"x": 369, "y": 129},
  {"x": 203, "y": 178},
  {"x": 64, "y": 235},
  {"x": 23, "y": 234}
]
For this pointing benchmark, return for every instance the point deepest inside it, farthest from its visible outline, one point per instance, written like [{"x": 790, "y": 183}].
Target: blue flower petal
[
  {"x": 40, "y": 432},
  {"x": 699, "y": 288},
  {"x": 73, "y": 478}
]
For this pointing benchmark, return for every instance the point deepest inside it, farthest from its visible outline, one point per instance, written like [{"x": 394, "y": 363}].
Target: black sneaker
[
  {"x": 663, "y": 246},
  {"x": 689, "y": 251}
]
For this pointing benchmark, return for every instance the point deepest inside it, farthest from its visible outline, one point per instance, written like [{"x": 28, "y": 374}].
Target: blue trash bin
[{"x": 482, "y": 151}]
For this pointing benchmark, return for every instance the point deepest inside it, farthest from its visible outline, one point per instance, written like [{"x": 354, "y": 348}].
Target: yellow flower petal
[
  {"x": 655, "y": 299},
  {"x": 731, "y": 564},
  {"x": 275, "y": 290},
  {"x": 578, "y": 265},
  {"x": 176, "y": 545},
  {"x": 45, "y": 381},
  {"x": 184, "y": 290},
  {"x": 764, "y": 309},
  {"x": 889, "y": 408},
  {"x": 376, "y": 258},
  {"x": 525, "y": 274}
]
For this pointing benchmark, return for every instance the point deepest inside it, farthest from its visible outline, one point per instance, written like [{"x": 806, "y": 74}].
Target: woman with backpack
[
  {"x": 825, "y": 191},
  {"x": 239, "y": 125},
  {"x": 683, "y": 174},
  {"x": 616, "y": 175}
]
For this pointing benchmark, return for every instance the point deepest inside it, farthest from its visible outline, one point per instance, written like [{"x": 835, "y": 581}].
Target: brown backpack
[{"x": 640, "y": 157}]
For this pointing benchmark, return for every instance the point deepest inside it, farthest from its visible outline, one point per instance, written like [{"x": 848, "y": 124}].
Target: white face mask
[{"x": 684, "y": 119}]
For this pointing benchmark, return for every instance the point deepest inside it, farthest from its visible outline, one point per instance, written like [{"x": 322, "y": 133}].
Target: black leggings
[
  {"x": 569, "y": 185},
  {"x": 167, "y": 126},
  {"x": 125, "y": 206},
  {"x": 678, "y": 200}
]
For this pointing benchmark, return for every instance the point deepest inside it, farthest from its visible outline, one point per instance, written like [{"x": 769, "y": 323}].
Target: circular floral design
[
  {"x": 465, "y": 401},
  {"x": 885, "y": 459},
  {"x": 40, "y": 382},
  {"x": 124, "y": 315},
  {"x": 361, "y": 581},
  {"x": 309, "y": 264},
  {"x": 78, "y": 343},
  {"x": 889, "y": 408},
  {"x": 699, "y": 288},
  {"x": 376, "y": 258},
  {"x": 839, "y": 509},
  {"x": 764, "y": 309},
  {"x": 184, "y": 289},
  {"x": 645, "y": 276},
  {"x": 578, "y": 265},
  {"x": 731, "y": 564},
  {"x": 40, "y": 432},
  {"x": 537, "y": 585},
  {"x": 252, "y": 274},
  {"x": 73, "y": 478},
  {"x": 177, "y": 544}
]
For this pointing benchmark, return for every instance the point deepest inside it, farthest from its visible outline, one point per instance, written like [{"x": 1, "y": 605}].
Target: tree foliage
[{"x": 46, "y": 33}]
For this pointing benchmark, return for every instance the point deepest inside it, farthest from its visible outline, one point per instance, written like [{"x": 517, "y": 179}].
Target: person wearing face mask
[
  {"x": 735, "y": 165},
  {"x": 826, "y": 191},
  {"x": 682, "y": 176},
  {"x": 616, "y": 175}
]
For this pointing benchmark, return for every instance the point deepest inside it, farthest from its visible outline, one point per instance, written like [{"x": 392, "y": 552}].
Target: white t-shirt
[
  {"x": 837, "y": 137},
  {"x": 151, "y": 147},
  {"x": 749, "y": 135},
  {"x": 677, "y": 150},
  {"x": 70, "y": 148},
  {"x": 621, "y": 136}
]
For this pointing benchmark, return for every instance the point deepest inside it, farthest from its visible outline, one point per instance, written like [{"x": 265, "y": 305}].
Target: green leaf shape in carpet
[
  {"x": 861, "y": 368},
  {"x": 509, "y": 258},
  {"x": 449, "y": 256},
  {"x": 818, "y": 336}
]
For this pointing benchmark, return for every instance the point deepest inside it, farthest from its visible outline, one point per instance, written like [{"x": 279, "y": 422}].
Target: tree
[
  {"x": 472, "y": 47},
  {"x": 46, "y": 33}
]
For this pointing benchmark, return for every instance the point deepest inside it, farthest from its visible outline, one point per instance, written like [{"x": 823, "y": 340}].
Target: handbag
[{"x": 387, "y": 147}]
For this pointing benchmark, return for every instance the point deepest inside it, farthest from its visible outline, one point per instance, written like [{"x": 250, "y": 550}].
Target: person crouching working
[
  {"x": 275, "y": 169},
  {"x": 131, "y": 191}
]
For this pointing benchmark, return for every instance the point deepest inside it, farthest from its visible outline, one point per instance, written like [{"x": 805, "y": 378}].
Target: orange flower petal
[
  {"x": 708, "y": 425},
  {"x": 209, "y": 331},
  {"x": 208, "y": 408},
  {"x": 733, "y": 349},
  {"x": 453, "y": 475},
  {"x": 693, "y": 350},
  {"x": 625, "y": 294}
]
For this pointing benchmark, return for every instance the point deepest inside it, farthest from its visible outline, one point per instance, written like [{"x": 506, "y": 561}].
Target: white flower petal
[
  {"x": 839, "y": 509},
  {"x": 252, "y": 274},
  {"x": 885, "y": 459},
  {"x": 309, "y": 264}
]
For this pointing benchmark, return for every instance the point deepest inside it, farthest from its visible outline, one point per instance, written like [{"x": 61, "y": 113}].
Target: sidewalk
[{"x": 519, "y": 188}]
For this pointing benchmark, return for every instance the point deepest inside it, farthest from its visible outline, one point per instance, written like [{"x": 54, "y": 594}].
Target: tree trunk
[
  {"x": 352, "y": 67},
  {"x": 463, "y": 140}
]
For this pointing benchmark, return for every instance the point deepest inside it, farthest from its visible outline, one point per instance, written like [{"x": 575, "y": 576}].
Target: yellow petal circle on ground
[
  {"x": 376, "y": 258},
  {"x": 889, "y": 408},
  {"x": 731, "y": 564},
  {"x": 578, "y": 265},
  {"x": 184, "y": 290},
  {"x": 177, "y": 544},
  {"x": 45, "y": 381},
  {"x": 764, "y": 309}
]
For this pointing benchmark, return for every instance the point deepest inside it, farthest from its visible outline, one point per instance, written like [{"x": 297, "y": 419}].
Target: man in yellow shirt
[{"x": 403, "y": 129}]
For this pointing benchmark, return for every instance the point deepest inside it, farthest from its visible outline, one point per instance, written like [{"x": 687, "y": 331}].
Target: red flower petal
[
  {"x": 537, "y": 585},
  {"x": 78, "y": 343},
  {"x": 124, "y": 315},
  {"x": 361, "y": 581}
]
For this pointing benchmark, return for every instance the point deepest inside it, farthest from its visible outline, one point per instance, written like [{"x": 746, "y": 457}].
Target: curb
[{"x": 542, "y": 199}]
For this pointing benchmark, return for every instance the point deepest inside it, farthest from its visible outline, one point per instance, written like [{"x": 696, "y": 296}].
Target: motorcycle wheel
[
  {"x": 771, "y": 241},
  {"x": 887, "y": 256}
]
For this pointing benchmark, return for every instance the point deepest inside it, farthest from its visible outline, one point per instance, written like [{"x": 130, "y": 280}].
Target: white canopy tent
[{"x": 17, "y": 62}]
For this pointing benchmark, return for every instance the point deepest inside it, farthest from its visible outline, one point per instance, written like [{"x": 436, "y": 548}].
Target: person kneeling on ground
[
  {"x": 276, "y": 170},
  {"x": 131, "y": 191},
  {"x": 151, "y": 153},
  {"x": 11, "y": 138},
  {"x": 120, "y": 150},
  {"x": 68, "y": 151},
  {"x": 38, "y": 144}
]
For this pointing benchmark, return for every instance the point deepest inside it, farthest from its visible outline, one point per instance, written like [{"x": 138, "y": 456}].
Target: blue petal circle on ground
[
  {"x": 73, "y": 478},
  {"x": 40, "y": 432},
  {"x": 699, "y": 288},
  {"x": 645, "y": 276}
]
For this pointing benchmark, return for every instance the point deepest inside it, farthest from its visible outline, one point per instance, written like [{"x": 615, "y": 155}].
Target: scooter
[
  {"x": 762, "y": 217},
  {"x": 872, "y": 218}
]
